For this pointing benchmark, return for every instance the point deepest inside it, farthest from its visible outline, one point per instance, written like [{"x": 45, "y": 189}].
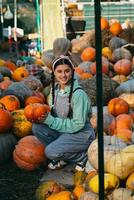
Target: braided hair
[{"x": 60, "y": 61}]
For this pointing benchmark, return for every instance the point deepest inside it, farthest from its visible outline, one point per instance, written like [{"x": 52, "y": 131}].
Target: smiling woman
[{"x": 66, "y": 131}]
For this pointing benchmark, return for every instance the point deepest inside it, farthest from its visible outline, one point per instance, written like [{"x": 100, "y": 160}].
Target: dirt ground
[{"x": 18, "y": 184}]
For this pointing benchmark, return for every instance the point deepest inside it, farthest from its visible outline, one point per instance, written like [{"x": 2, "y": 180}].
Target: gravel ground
[{"x": 18, "y": 184}]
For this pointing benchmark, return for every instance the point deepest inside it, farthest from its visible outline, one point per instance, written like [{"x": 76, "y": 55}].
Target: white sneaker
[{"x": 53, "y": 165}]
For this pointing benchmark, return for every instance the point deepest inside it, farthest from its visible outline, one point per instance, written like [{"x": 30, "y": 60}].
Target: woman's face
[{"x": 63, "y": 74}]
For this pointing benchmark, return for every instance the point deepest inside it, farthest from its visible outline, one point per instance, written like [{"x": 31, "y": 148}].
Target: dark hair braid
[
  {"x": 53, "y": 92},
  {"x": 70, "y": 112}
]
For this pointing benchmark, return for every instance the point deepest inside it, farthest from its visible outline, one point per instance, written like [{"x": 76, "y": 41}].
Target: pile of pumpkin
[{"x": 22, "y": 91}]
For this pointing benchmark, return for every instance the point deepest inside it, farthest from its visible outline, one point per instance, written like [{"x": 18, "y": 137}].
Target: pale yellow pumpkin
[
  {"x": 119, "y": 78},
  {"x": 21, "y": 126},
  {"x": 120, "y": 194},
  {"x": 129, "y": 98}
]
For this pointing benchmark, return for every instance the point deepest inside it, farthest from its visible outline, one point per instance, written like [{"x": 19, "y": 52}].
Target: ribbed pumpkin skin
[
  {"x": 11, "y": 102},
  {"x": 20, "y": 73},
  {"x": 35, "y": 111},
  {"x": 6, "y": 120},
  {"x": 21, "y": 126},
  {"x": 29, "y": 153},
  {"x": 7, "y": 145}
]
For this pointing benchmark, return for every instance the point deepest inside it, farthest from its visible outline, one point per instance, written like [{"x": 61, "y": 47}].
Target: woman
[{"x": 66, "y": 131}]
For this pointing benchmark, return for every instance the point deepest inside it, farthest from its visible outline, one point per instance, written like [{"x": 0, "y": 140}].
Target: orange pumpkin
[
  {"x": 63, "y": 195},
  {"x": 20, "y": 73},
  {"x": 85, "y": 75},
  {"x": 88, "y": 54},
  {"x": 122, "y": 121},
  {"x": 78, "y": 70},
  {"x": 6, "y": 120},
  {"x": 35, "y": 111},
  {"x": 117, "y": 106},
  {"x": 29, "y": 153},
  {"x": 116, "y": 28},
  {"x": 10, "y": 65},
  {"x": 123, "y": 67},
  {"x": 11, "y": 102},
  {"x": 33, "y": 99},
  {"x": 123, "y": 134},
  {"x": 104, "y": 23}
]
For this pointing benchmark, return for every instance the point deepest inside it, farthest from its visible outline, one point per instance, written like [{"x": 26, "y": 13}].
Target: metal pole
[{"x": 99, "y": 93}]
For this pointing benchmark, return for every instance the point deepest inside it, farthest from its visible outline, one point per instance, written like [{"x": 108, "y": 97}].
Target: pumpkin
[
  {"x": 29, "y": 153},
  {"x": 5, "y": 84},
  {"x": 130, "y": 181},
  {"x": 33, "y": 83},
  {"x": 88, "y": 54},
  {"x": 116, "y": 42},
  {"x": 33, "y": 99},
  {"x": 21, "y": 126},
  {"x": 6, "y": 120},
  {"x": 10, "y": 65},
  {"x": 105, "y": 66},
  {"x": 123, "y": 134},
  {"x": 115, "y": 28},
  {"x": 79, "y": 177},
  {"x": 112, "y": 145},
  {"x": 129, "y": 98},
  {"x": 107, "y": 52},
  {"x": 111, "y": 182},
  {"x": 20, "y": 74},
  {"x": 61, "y": 46},
  {"x": 78, "y": 191},
  {"x": 123, "y": 67},
  {"x": 47, "y": 58},
  {"x": 125, "y": 87},
  {"x": 120, "y": 194},
  {"x": 125, "y": 165},
  {"x": 85, "y": 75},
  {"x": 2, "y": 62},
  {"x": 7, "y": 145},
  {"x": 11, "y": 102},
  {"x": 35, "y": 111},
  {"x": 104, "y": 23},
  {"x": 119, "y": 78},
  {"x": 122, "y": 121},
  {"x": 45, "y": 189},
  {"x": 5, "y": 72},
  {"x": 117, "y": 106},
  {"x": 89, "y": 196},
  {"x": 121, "y": 53},
  {"x": 64, "y": 195}
]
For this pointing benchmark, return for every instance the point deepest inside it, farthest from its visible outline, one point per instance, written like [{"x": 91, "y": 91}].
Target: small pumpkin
[
  {"x": 88, "y": 54},
  {"x": 123, "y": 134},
  {"x": 129, "y": 98},
  {"x": 107, "y": 52},
  {"x": 5, "y": 84},
  {"x": 35, "y": 111},
  {"x": 119, "y": 78},
  {"x": 64, "y": 195},
  {"x": 6, "y": 120},
  {"x": 10, "y": 65},
  {"x": 21, "y": 126},
  {"x": 11, "y": 102},
  {"x": 29, "y": 153},
  {"x": 117, "y": 106},
  {"x": 104, "y": 23},
  {"x": 123, "y": 67},
  {"x": 115, "y": 28},
  {"x": 20, "y": 74},
  {"x": 45, "y": 189}
]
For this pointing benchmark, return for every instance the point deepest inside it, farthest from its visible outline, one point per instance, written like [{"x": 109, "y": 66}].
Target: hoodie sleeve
[{"x": 81, "y": 109}]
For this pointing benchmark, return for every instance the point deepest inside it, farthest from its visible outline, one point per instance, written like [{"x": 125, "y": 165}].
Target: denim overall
[{"x": 69, "y": 147}]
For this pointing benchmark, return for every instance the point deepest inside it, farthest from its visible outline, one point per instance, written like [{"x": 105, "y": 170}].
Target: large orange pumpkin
[
  {"x": 116, "y": 28},
  {"x": 11, "y": 102},
  {"x": 88, "y": 54},
  {"x": 29, "y": 153},
  {"x": 20, "y": 73},
  {"x": 118, "y": 106},
  {"x": 123, "y": 134},
  {"x": 104, "y": 23},
  {"x": 6, "y": 120},
  {"x": 35, "y": 111},
  {"x": 123, "y": 67}
]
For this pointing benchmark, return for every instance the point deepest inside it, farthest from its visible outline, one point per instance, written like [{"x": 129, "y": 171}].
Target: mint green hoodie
[{"x": 81, "y": 106}]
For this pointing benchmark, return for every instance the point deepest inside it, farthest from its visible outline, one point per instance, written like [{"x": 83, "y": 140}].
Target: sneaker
[
  {"x": 53, "y": 165},
  {"x": 80, "y": 166}
]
